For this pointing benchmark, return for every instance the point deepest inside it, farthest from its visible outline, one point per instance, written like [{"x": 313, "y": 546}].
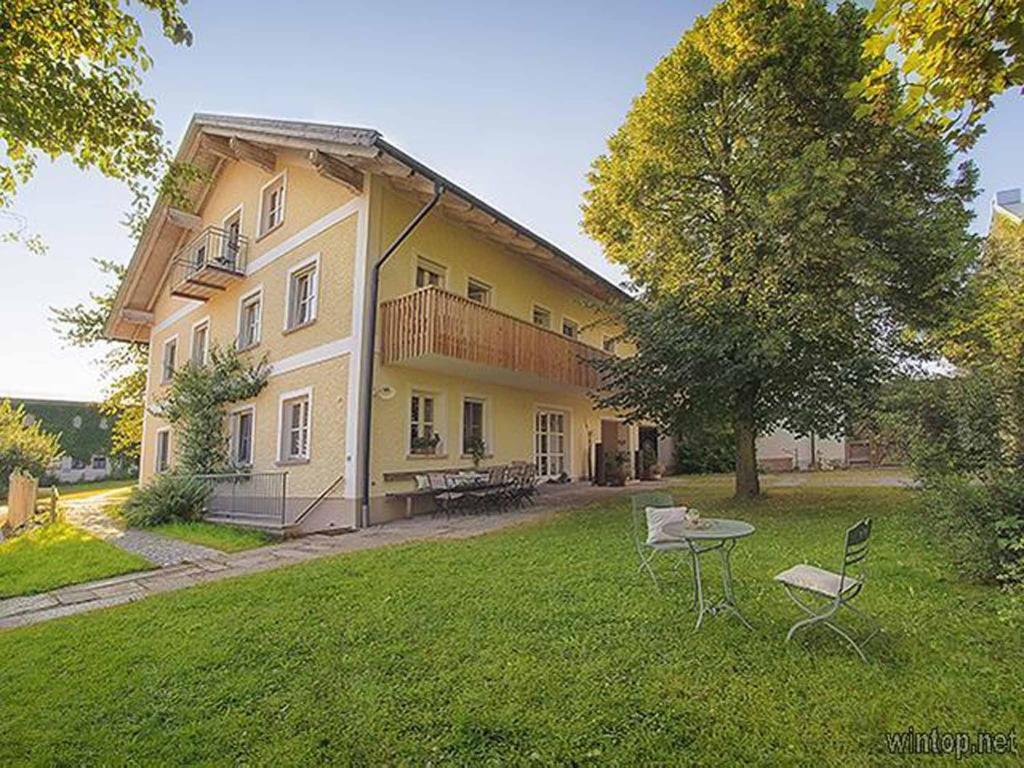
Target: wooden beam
[
  {"x": 136, "y": 316},
  {"x": 334, "y": 169},
  {"x": 216, "y": 145},
  {"x": 253, "y": 154},
  {"x": 184, "y": 219}
]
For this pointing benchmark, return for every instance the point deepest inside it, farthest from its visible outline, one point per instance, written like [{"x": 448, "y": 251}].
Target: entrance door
[{"x": 549, "y": 443}]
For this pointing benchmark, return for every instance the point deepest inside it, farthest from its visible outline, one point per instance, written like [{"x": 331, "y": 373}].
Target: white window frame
[
  {"x": 243, "y": 300},
  {"x": 608, "y": 345},
  {"x": 485, "y": 431},
  {"x": 566, "y": 320},
  {"x": 437, "y": 424},
  {"x": 295, "y": 394},
  {"x": 313, "y": 263},
  {"x": 235, "y": 415},
  {"x": 533, "y": 316},
  {"x": 164, "y": 377},
  {"x": 429, "y": 265},
  {"x": 470, "y": 280},
  {"x": 156, "y": 451},
  {"x": 567, "y": 434},
  {"x": 192, "y": 340},
  {"x": 282, "y": 179},
  {"x": 238, "y": 211}
]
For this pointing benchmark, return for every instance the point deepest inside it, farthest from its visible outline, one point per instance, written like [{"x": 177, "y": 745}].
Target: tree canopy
[
  {"x": 784, "y": 248},
  {"x": 24, "y": 445}
]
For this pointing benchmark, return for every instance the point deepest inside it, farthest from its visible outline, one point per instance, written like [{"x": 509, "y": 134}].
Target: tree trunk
[{"x": 748, "y": 485}]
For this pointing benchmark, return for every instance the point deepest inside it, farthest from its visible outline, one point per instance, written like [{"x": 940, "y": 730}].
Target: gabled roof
[{"x": 343, "y": 153}]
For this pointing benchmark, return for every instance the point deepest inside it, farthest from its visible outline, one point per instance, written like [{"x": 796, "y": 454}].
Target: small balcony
[
  {"x": 431, "y": 327},
  {"x": 209, "y": 263}
]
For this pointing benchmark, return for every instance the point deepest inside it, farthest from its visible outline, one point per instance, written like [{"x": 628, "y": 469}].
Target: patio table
[{"x": 712, "y": 535}]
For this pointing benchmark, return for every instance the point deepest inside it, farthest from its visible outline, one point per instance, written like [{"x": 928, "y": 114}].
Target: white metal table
[{"x": 712, "y": 535}]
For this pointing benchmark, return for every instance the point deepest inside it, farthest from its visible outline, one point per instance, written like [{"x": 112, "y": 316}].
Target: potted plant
[
  {"x": 649, "y": 467},
  {"x": 477, "y": 450},
  {"x": 426, "y": 444},
  {"x": 615, "y": 469}
]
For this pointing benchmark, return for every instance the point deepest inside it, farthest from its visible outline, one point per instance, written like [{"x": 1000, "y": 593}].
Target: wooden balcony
[
  {"x": 208, "y": 264},
  {"x": 431, "y": 327}
]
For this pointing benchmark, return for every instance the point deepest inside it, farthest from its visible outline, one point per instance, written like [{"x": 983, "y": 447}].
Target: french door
[{"x": 549, "y": 443}]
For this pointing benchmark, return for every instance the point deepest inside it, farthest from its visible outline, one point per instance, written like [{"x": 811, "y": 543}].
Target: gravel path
[{"x": 90, "y": 515}]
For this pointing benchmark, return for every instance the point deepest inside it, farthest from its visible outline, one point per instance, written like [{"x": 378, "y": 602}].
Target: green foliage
[
  {"x": 953, "y": 55},
  {"x": 539, "y": 644},
  {"x": 194, "y": 405},
  {"x": 70, "y": 85},
  {"x": 81, "y": 429},
  {"x": 167, "y": 498},
  {"x": 705, "y": 450},
  {"x": 477, "y": 449},
  {"x": 23, "y": 447},
  {"x": 785, "y": 250}
]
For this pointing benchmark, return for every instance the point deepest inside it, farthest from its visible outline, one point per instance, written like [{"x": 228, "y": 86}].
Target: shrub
[
  {"x": 167, "y": 498},
  {"x": 24, "y": 446},
  {"x": 704, "y": 450}
]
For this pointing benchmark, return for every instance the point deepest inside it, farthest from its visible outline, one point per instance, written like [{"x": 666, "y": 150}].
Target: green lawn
[
  {"x": 537, "y": 645},
  {"x": 84, "y": 490},
  {"x": 226, "y": 538},
  {"x": 57, "y": 555}
]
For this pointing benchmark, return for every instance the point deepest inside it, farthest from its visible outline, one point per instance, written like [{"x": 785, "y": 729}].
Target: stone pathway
[
  {"x": 213, "y": 565},
  {"x": 90, "y": 515}
]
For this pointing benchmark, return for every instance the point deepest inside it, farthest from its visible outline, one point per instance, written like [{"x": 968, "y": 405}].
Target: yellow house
[{"x": 479, "y": 329}]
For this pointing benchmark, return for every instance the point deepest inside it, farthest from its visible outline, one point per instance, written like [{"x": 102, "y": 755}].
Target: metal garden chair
[
  {"x": 830, "y": 591},
  {"x": 648, "y": 551},
  {"x": 448, "y": 501}
]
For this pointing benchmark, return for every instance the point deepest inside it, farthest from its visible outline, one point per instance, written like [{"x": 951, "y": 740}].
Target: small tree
[
  {"x": 784, "y": 248},
  {"x": 24, "y": 446},
  {"x": 195, "y": 403}
]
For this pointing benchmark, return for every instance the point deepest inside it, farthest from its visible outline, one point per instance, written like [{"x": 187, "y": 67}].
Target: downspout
[{"x": 369, "y": 342}]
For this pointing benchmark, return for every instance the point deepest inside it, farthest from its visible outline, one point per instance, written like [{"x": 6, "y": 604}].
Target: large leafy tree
[
  {"x": 783, "y": 248},
  {"x": 70, "y": 74},
  {"x": 955, "y": 56},
  {"x": 24, "y": 445}
]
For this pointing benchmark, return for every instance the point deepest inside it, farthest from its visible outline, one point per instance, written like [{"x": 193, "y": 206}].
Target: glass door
[{"x": 549, "y": 443}]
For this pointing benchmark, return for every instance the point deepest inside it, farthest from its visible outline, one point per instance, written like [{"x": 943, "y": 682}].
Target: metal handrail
[
  {"x": 316, "y": 502},
  {"x": 214, "y": 247}
]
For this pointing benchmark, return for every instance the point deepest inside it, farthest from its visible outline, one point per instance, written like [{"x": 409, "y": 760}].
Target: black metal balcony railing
[{"x": 208, "y": 263}]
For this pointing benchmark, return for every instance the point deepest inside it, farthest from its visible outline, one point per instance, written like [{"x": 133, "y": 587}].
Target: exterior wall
[
  {"x": 783, "y": 451},
  {"x": 321, "y": 219}
]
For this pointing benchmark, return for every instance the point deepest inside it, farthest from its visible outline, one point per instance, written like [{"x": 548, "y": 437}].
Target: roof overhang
[{"x": 343, "y": 154}]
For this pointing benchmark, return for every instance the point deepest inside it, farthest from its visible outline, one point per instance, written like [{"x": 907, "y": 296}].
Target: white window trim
[
  {"x": 420, "y": 257},
  {"x": 164, "y": 379},
  {"x": 551, "y": 316},
  {"x": 292, "y": 395},
  {"x": 575, "y": 323},
  {"x": 250, "y": 408},
  {"x": 313, "y": 261},
  {"x": 480, "y": 281},
  {"x": 282, "y": 177},
  {"x": 488, "y": 419},
  {"x": 192, "y": 339},
  {"x": 156, "y": 450},
  {"x": 257, "y": 291},
  {"x": 570, "y": 457},
  {"x": 440, "y": 422},
  {"x": 238, "y": 210}
]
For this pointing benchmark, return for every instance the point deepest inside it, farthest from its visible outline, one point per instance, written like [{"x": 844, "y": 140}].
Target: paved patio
[{"x": 210, "y": 565}]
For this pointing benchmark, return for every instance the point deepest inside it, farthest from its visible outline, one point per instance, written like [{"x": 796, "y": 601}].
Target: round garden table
[{"x": 712, "y": 534}]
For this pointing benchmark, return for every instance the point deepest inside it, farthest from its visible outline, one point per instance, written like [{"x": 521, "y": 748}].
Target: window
[
  {"x": 163, "y": 450},
  {"x": 199, "y": 255},
  {"x": 200, "y": 342},
  {"x": 99, "y": 462},
  {"x": 479, "y": 292},
  {"x": 272, "y": 206},
  {"x": 78, "y": 463},
  {"x": 429, "y": 273},
  {"x": 541, "y": 317},
  {"x": 423, "y": 437},
  {"x": 295, "y": 427},
  {"x": 249, "y": 312},
  {"x": 570, "y": 328},
  {"x": 167, "y": 366},
  {"x": 242, "y": 424},
  {"x": 472, "y": 425},
  {"x": 232, "y": 238},
  {"x": 608, "y": 345},
  {"x": 302, "y": 288},
  {"x": 77, "y": 422}
]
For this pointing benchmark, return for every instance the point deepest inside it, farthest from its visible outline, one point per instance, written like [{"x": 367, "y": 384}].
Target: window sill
[
  {"x": 290, "y": 462},
  {"x": 469, "y": 456},
  {"x": 270, "y": 231},
  {"x": 421, "y": 456},
  {"x": 248, "y": 347},
  {"x": 298, "y": 327}
]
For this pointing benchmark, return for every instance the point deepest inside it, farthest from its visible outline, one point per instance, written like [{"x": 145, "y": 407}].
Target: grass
[
  {"x": 57, "y": 555},
  {"x": 226, "y": 538},
  {"x": 84, "y": 490},
  {"x": 536, "y": 645}
]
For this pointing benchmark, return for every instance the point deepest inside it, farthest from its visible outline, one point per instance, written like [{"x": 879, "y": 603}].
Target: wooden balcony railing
[{"x": 432, "y": 322}]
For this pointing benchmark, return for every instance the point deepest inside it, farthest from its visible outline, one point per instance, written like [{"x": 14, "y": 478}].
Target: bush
[
  {"x": 167, "y": 498},
  {"x": 702, "y": 451},
  {"x": 24, "y": 446}
]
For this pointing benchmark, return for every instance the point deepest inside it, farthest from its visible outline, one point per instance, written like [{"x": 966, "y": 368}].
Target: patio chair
[
  {"x": 448, "y": 501},
  {"x": 828, "y": 591},
  {"x": 528, "y": 483},
  {"x": 493, "y": 496},
  {"x": 646, "y": 549}
]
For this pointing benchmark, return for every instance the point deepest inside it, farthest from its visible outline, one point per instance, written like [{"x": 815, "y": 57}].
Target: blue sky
[{"x": 512, "y": 100}]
